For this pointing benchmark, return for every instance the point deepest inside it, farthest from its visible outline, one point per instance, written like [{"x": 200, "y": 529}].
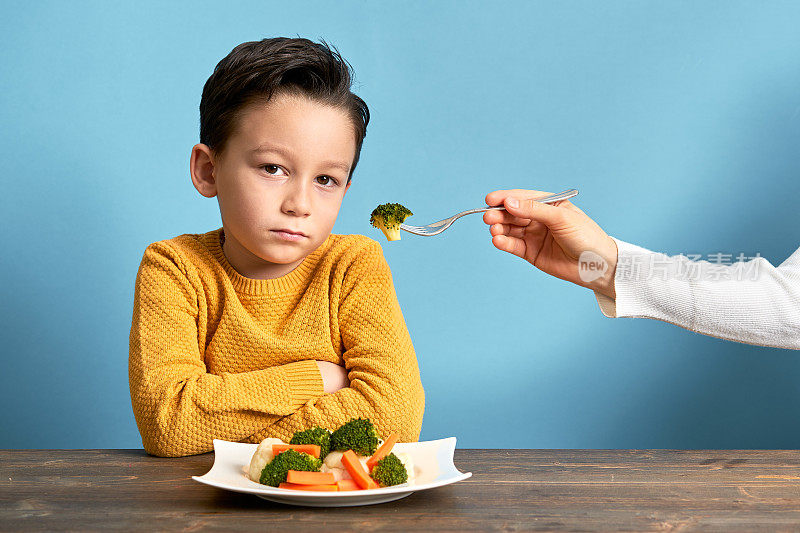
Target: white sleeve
[{"x": 751, "y": 302}]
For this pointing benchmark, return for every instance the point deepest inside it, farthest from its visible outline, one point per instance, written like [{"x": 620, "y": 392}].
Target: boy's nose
[{"x": 297, "y": 201}]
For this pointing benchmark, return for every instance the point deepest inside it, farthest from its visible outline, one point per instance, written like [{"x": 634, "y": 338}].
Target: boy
[{"x": 271, "y": 324}]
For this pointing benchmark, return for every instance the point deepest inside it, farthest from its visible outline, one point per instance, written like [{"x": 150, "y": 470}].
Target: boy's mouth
[{"x": 289, "y": 235}]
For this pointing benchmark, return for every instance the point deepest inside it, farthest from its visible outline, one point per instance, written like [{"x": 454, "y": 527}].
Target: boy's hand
[
  {"x": 551, "y": 237},
  {"x": 334, "y": 377}
]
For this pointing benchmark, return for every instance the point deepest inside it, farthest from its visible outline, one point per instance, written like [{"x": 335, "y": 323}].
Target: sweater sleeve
[
  {"x": 385, "y": 383},
  {"x": 179, "y": 407},
  {"x": 752, "y": 301}
]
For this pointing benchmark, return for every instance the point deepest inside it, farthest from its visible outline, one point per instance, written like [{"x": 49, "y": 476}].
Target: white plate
[{"x": 433, "y": 467}]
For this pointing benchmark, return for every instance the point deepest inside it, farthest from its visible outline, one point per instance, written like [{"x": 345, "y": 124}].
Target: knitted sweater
[
  {"x": 216, "y": 355},
  {"x": 752, "y": 301}
]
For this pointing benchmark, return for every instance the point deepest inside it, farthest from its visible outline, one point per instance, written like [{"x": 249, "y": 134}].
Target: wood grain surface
[{"x": 510, "y": 490}]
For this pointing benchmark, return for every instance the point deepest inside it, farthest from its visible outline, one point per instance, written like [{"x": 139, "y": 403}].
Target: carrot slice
[
  {"x": 319, "y": 488},
  {"x": 383, "y": 451},
  {"x": 310, "y": 449},
  {"x": 347, "y": 484},
  {"x": 310, "y": 478},
  {"x": 357, "y": 472}
]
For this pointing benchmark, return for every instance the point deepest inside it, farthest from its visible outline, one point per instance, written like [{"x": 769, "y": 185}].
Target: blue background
[{"x": 679, "y": 122}]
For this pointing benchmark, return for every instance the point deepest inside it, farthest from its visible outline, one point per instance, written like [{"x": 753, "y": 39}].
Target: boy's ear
[{"x": 201, "y": 170}]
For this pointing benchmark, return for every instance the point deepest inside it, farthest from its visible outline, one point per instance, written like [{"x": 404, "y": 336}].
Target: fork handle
[{"x": 550, "y": 199}]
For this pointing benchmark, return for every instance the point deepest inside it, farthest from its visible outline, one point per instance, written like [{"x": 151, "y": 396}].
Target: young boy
[{"x": 271, "y": 324}]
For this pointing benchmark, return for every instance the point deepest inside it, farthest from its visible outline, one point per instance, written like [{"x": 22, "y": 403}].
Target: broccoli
[
  {"x": 316, "y": 435},
  {"x": 358, "y": 435},
  {"x": 275, "y": 472},
  {"x": 389, "y": 471},
  {"x": 388, "y": 217}
]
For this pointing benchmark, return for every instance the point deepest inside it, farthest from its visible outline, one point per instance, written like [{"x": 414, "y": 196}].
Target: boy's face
[{"x": 280, "y": 181}]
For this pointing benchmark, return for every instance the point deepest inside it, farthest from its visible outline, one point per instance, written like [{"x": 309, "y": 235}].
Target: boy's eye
[
  {"x": 271, "y": 169},
  {"x": 326, "y": 180}
]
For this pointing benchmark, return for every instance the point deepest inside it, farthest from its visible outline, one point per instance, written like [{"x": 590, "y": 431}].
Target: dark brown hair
[{"x": 257, "y": 70}]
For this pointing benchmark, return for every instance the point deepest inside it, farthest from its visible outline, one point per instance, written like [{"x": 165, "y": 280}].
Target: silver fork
[{"x": 437, "y": 227}]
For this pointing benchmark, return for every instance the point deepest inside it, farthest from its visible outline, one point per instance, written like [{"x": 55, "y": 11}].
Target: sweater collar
[{"x": 286, "y": 283}]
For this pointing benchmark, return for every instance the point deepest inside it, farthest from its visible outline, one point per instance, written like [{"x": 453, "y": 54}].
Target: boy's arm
[
  {"x": 179, "y": 407},
  {"x": 385, "y": 384}
]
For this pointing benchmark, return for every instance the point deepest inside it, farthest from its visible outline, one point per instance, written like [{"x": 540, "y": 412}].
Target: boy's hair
[{"x": 257, "y": 70}]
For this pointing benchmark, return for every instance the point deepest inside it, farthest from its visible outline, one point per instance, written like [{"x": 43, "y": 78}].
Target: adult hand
[
  {"x": 334, "y": 377},
  {"x": 551, "y": 237}
]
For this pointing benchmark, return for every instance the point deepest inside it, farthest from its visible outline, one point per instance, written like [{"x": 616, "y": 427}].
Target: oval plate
[{"x": 433, "y": 467}]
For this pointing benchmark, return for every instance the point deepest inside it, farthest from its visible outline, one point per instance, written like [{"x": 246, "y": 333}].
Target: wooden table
[{"x": 510, "y": 490}]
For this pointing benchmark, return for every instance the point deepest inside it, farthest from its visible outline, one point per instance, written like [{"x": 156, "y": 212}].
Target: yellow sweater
[{"x": 216, "y": 355}]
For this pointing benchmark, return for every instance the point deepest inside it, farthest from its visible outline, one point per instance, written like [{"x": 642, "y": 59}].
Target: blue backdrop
[{"x": 679, "y": 122}]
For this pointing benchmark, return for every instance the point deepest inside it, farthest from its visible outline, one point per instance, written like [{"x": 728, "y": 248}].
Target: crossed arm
[{"x": 180, "y": 407}]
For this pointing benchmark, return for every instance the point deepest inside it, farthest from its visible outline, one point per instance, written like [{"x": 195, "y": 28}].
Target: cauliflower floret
[
  {"x": 261, "y": 457},
  {"x": 408, "y": 462},
  {"x": 333, "y": 463}
]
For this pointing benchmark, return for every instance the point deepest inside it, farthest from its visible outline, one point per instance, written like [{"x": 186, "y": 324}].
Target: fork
[{"x": 437, "y": 227}]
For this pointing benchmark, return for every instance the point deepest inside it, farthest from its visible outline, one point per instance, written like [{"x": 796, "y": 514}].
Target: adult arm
[{"x": 752, "y": 301}]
